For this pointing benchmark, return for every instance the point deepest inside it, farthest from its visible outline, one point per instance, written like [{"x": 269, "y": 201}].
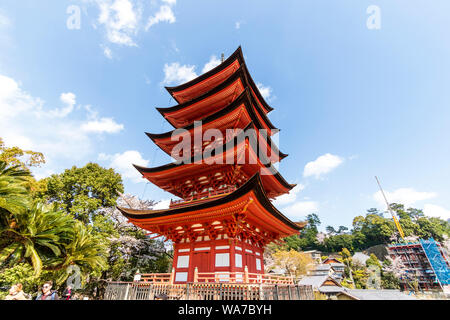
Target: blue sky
[{"x": 352, "y": 102}]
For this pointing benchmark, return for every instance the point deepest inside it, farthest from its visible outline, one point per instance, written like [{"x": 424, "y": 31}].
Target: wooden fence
[{"x": 206, "y": 291}]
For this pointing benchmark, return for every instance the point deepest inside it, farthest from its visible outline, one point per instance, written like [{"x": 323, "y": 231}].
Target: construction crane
[{"x": 394, "y": 216}]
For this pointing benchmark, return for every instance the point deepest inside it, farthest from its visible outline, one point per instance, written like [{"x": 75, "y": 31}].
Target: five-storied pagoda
[{"x": 225, "y": 217}]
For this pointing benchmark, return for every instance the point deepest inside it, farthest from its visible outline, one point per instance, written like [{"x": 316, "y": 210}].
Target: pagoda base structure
[
  {"x": 222, "y": 239},
  {"x": 219, "y": 260}
]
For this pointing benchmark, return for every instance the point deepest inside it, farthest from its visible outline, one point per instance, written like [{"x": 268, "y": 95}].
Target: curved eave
[
  {"x": 283, "y": 182},
  {"x": 228, "y": 145},
  {"x": 245, "y": 98},
  {"x": 236, "y": 55},
  {"x": 273, "y": 146},
  {"x": 241, "y": 73},
  {"x": 253, "y": 184},
  {"x": 257, "y": 92}
]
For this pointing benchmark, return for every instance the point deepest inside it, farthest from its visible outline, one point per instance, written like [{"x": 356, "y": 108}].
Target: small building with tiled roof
[{"x": 322, "y": 283}]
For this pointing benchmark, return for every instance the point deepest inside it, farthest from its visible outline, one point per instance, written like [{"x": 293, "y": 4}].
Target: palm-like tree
[
  {"x": 38, "y": 234},
  {"x": 85, "y": 250},
  {"x": 13, "y": 192}
]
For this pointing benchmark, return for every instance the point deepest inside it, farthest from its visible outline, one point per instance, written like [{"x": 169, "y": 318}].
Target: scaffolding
[
  {"x": 425, "y": 262},
  {"x": 438, "y": 260}
]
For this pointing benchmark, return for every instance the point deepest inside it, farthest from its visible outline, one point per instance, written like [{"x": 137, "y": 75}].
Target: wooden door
[
  {"x": 250, "y": 262},
  {"x": 201, "y": 261}
]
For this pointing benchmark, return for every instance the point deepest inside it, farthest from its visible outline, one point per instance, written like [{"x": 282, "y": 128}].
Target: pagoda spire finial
[{"x": 222, "y": 58}]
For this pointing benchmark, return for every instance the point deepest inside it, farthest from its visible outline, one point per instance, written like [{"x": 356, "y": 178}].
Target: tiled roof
[
  {"x": 331, "y": 289},
  {"x": 372, "y": 294}
]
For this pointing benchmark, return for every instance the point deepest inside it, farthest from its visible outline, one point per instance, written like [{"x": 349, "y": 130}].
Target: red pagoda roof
[
  {"x": 214, "y": 100},
  {"x": 237, "y": 115},
  {"x": 209, "y": 80},
  {"x": 182, "y": 179},
  {"x": 250, "y": 195}
]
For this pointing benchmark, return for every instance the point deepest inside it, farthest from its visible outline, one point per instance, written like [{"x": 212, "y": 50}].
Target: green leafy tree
[
  {"x": 346, "y": 257},
  {"x": 39, "y": 234},
  {"x": 432, "y": 227},
  {"x": 406, "y": 219},
  {"x": 308, "y": 235},
  {"x": 24, "y": 160},
  {"x": 307, "y": 240},
  {"x": 338, "y": 242},
  {"x": 371, "y": 230},
  {"x": 20, "y": 273},
  {"x": 330, "y": 230},
  {"x": 342, "y": 229},
  {"x": 293, "y": 262},
  {"x": 373, "y": 261},
  {"x": 83, "y": 191},
  {"x": 16, "y": 156},
  {"x": 360, "y": 277},
  {"x": 390, "y": 278}
]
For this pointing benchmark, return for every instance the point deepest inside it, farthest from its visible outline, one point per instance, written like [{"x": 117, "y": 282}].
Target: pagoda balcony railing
[
  {"x": 242, "y": 277},
  {"x": 220, "y": 277},
  {"x": 201, "y": 197},
  {"x": 156, "y": 277}
]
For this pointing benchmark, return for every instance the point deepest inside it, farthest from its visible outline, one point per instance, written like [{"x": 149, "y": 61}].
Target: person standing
[
  {"x": 16, "y": 293},
  {"x": 47, "y": 293},
  {"x": 67, "y": 294}
]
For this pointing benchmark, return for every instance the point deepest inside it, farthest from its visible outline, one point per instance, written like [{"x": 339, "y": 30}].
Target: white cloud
[
  {"x": 4, "y": 20},
  {"x": 14, "y": 101},
  {"x": 300, "y": 209},
  {"x": 322, "y": 165},
  {"x": 69, "y": 99},
  {"x": 405, "y": 196},
  {"x": 432, "y": 210},
  {"x": 107, "y": 52},
  {"x": 289, "y": 197},
  {"x": 123, "y": 163},
  {"x": 165, "y": 14},
  {"x": 237, "y": 25},
  {"x": 175, "y": 73},
  {"x": 212, "y": 63},
  {"x": 103, "y": 125},
  {"x": 26, "y": 122},
  {"x": 121, "y": 20},
  {"x": 265, "y": 91}
]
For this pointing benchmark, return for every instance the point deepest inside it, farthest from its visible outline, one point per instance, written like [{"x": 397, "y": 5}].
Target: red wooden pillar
[
  {"x": 232, "y": 243},
  {"x": 212, "y": 256},
  {"x": 191, "y": 262}
]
